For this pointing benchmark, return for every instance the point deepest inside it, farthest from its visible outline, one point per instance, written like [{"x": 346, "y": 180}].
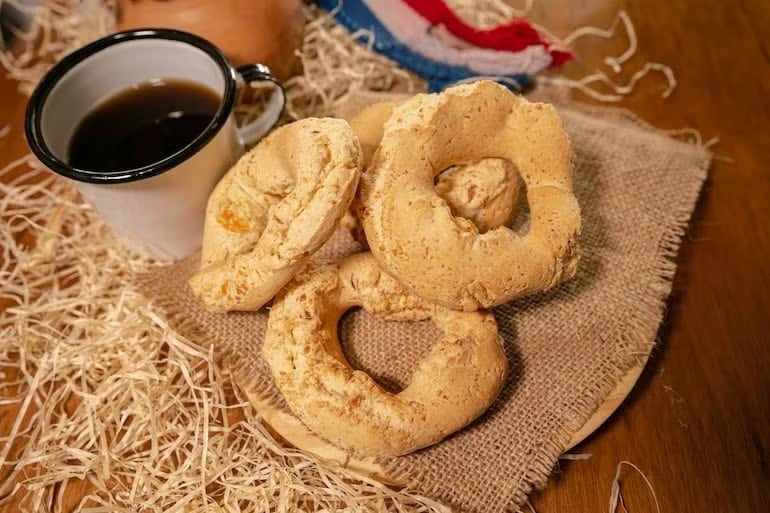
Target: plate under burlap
[{"x": 568, "y": 348}]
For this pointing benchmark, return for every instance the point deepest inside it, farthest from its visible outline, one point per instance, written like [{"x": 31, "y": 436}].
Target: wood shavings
[
  {"x": 153, "y": 422},
  {"x": 488, "y": 13},
  {"x": 335, "y": 63},
  {"x": 616, "y": 497},
  {"x": 338, "y": 62},
  {"x": 584, "y": 85},
  {"x": 57, "y": 28},
  {"x": 587, "y": 84},
  {"x": 612, "y": 62},
  {"x": 576, "y": 456}
]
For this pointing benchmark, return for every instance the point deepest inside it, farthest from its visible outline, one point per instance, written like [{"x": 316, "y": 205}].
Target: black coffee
[{"x": 142, "y": 125}]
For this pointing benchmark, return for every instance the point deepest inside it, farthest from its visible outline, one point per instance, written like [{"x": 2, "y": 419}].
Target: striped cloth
[{"x": 427, "y": 38}]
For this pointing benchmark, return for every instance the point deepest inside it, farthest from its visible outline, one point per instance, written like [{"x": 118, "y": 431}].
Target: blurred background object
[
  {"x": 247, "y": 31},
  {"x": 14, "y": 17}
]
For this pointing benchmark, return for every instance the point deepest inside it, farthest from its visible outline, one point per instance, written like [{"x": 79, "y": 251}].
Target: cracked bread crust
[
  {"x": 412, "y": 231},
  {"x": 273, "y": 209},
  {"x": 486, "y": 192},
  {"x": 455, "y": 383}
]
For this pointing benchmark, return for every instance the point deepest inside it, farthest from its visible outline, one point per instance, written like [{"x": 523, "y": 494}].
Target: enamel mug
[{"x": 156, "y": 210}]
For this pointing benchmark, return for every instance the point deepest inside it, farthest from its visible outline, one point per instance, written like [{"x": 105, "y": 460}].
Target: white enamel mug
[{"x": 156, "y": 210}]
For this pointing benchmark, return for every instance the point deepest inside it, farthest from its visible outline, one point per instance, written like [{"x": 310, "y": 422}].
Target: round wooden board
[
  {"x": 609, "y": 405},
  {"x": 288, "y": 428}
]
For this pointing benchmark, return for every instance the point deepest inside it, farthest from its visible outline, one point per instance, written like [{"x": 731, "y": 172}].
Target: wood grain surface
[{"x": 698, "y": 421}]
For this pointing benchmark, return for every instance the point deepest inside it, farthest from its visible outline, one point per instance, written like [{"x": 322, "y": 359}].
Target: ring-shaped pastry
[
  {"x": 273, "y": 209},
  {"x": 452, "y": 385},
  {"x": 412, "y": 231},
  {"x": 486, "y": 192}
]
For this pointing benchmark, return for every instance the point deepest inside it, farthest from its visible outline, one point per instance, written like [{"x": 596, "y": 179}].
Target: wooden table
[{"x": 698, "y": 421}]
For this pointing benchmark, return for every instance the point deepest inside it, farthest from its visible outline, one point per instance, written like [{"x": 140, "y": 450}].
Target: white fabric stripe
[{"x": 414, "y": 31}]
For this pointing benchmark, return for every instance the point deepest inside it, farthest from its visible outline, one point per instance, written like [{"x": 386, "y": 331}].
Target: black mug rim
[{"x": 33, "y": 128}]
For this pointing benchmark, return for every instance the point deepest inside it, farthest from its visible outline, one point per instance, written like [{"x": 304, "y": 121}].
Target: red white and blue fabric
[{"x": 427, "y": 37}]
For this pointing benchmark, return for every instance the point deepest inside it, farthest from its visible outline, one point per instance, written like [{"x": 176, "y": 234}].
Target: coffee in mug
[{"x": 143, "y": 122}]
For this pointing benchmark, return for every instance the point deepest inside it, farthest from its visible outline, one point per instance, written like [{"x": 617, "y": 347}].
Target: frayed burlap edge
[
  {"x": 638, "y": 334},
  {"x": 643, "y": 325},
  {"x": 641, "y": 335}
]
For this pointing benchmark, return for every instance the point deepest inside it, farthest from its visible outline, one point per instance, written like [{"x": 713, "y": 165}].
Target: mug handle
[{"x": 255, "y": 130}]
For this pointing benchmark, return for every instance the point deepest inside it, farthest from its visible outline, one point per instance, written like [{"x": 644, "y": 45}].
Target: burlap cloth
[{"x": 567, "y": 348}]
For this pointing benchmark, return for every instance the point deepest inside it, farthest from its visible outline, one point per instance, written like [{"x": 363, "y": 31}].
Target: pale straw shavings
[
  {"x": 616, "y": 496},
  {"x": 57, "y": 27},
  {"x": 106, "y": 391},
  {"x": 335, "y": 63},
  {"x": 110, "y": 394},
  {"x": 596, "y": 83}
]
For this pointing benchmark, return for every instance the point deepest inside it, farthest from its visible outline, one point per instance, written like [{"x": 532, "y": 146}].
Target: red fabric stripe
[{"x": 513, "y": 36}]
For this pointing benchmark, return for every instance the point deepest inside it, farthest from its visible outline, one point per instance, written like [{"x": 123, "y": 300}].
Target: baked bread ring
[
  {"x": 486, "y": 192},
  {"x": 368, "y": 125},
  {"x": 273, "y": 209},
  {"x": 456, "y": 381},
  {"x": 443, "y": 258}
]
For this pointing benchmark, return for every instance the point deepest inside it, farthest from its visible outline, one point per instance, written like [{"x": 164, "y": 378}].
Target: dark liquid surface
[{"x": 142, "y": 125}]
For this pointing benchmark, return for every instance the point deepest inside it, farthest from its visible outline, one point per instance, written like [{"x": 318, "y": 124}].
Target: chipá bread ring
[
  {"x": 486, "y": 192},
  {"x": 273, "y": 209},
  {"x": 452, "y": 385},
  {"x": 368, "y": 125},
  {"x": 412, "y": 232}
]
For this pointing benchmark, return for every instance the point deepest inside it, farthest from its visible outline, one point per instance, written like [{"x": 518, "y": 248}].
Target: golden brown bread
[
  {"x": 436, "y": 250},
  {"x": 369, "y": 125},
  {"x": 444, "y": 258},
  {"x": 487, "y": 192},
  {"x": 455, "y": 382},
  {"x": 276, "y": 206}
]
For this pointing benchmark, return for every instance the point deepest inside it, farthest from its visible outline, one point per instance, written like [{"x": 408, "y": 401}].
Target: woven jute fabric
[{"x": 567, "y": 348}]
